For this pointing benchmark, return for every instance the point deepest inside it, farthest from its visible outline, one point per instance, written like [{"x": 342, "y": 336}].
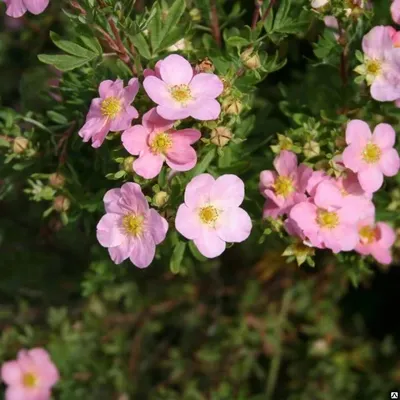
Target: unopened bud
[
  {"x": 221, "y": 136},
  {"x": 56, "y": 180},
  {"x": 318, "y": 4},
  {"x": 195, "y": 14},
  {"x": 205, "y": 65},
  {"x": 160, "y": 198},
  {"x": 20, "y": 144},
  {"x": 319, "y": 347},
  {"x": 340, "y": 142},
  {"x": 128, "y": 164},
  {"x": 284, "y": 143},
  {"x": 250, "y": 59},
  {"x": 311, "y": 149},
  {"x": 61, "y": 203},
  {"x": 232, "y": 106}
]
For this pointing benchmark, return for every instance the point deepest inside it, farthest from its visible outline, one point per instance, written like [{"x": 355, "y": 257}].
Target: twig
[
  {"x": 62, "y": 144},
  {"x": 268, "y": 10},
  {"x": 256, "y": 13},
  {"x": 276, "y": 360},
  {"x": 215, "y": 23},
  {"x": 343, "y": 56}
]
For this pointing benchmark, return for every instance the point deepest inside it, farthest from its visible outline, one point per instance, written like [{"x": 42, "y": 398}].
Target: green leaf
[
  {"x": 92, "y": 43},
  {"x": 155, "y": 29},
  {"x": 175, "y": 35},
  {"x": 141, "y": 44},
  {"x": 196, "y": 254},
  {"x": 177, "y": 257},
  {"x": 203, "y": 164},
  {"x": 174, "y": 15},
  {"x": 237, "y": 41},
  {"x": 72, "y": 48},
  {"x": 57, "y": 118},
  {"x": 63, "y": 62}
]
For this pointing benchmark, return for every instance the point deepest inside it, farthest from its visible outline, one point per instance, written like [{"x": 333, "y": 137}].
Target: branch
[
  {"x": 215, "y": 23},
  {"x": 256, "y": 13},
  {"x": 343, "y": 56},
  {"x": 268, "y": 10}
]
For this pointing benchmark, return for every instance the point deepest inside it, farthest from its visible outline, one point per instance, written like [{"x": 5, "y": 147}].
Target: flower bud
[
  {"x": 221, "y": 136},
  {"x": 160, "y": 198},
  {"x": 195, "y": 14},
  {"x": 311, "y": 149},
  {"x": 20, "y": 144},
  {"x": 340, "y": 142},
  {"x": 56, "y": 180},
  {"x": 284, "y": 143},
  {"x": 232, "y": 106},
  {"x": 205, "y": 65},
  {"x": 128, "y": 164},
  {"x": 227, "y": 86},
  {"x": 320, "y": 347},
  {"x": 250, "y": 59},
  {"x": 61, "y": 203},
  {"x": 318, "y": 4}
]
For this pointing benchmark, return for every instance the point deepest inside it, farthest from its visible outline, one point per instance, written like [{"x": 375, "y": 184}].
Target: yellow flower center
[
  {"x": 371, "y": 153},
  {"x": 161, "y": 143},
  {"x": 373, "y": 67},
  {"x": 367, "y": 234},
  {"x": 30, "y": 380},
  {"x": 181, "y": 93},
  {"x": 133, "y": 224},
  {"x": 284, "y": 186},
  {"x": 110, "y": 107},
  {"x": 208, "y": 215},
  {"x": 327, "y": 219}
]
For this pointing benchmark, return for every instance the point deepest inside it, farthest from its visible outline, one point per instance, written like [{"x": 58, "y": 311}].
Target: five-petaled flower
[
  {"x": 111, "y": 111},
  {"x": 211, "y": 215},
  {"x": 156, "y": 141},
  {"x": 371, "y": 156},
  {"x": 180, "y": 93},
  {"x": 130, "y": 229},
  {"x": 30, "y": 377}
]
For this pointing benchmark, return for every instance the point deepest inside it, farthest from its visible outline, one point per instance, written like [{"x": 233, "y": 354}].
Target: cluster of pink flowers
[
  {"x": 211, "y": 215},
  {"x": 17, "y": 8},
  {"x": 336, "y": 214},
  {"x": 30, "y": 377}
]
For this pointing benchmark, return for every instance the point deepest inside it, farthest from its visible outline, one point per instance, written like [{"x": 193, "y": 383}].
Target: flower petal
[
  {"x": 352, "y": 157},
  {"x": 376, "y": 42},
  {"x": 235, "y": 225},
  {"x": 36, "y": 6},
  {"x": 143, "y": 251},
  {"x": 187, "y": 222},
  {"x": 110, "y": 88},
  {"x": 383, "y": 89},
  {"x": 305, "y": 214},
  {"x": 158, "y": 226},
  {"x": 381, "y": 254},
  {"x": 135, "y": 139},
  {"x": 152, "y": 121},
  {"x": 111, "y": 199},
  {"x": 11, "y": 373},
  {"x": 148, "y": 165},
  {"x": 173, "y": 111},
  {"x": 205, "y": 109},
  {"x": 130, "y": 92},
  {"x": 358, "y": 131},
  {"x": 228, "y": 191},
  {"x": 119, "y": 254},
  {"x": 198, "y": 190},
  {"x": 286, "y": 163},
  {"x": 206, "y": 85},
  {"x": 175, "y": 70},
  {"x": 328, "y": 195},
  {"x": 181, "y": 158},
  {"x": 371, "y": 179},
  {"x": 133, "y": 198},
  {"x": 384, "y": 136},
  {"x": 387, "y": 235},
  {"x": 16, "y": 8},
  {"x": 390, "y": 162},
  {"x": 209, "y": 244},
  {"x": 124, "y": 119},
  {"x": 157, "y": 90},
  {"x": 109, "y": 233},
  {"x": 186, "y": 136}
]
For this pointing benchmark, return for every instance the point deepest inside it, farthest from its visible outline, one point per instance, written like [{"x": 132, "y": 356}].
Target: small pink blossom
[
  {"x": 181, "y": 94},
  {"x": 371, "y": 156},
  {"x": 30, "y": 377},
  {"x": 130, "y": 229},
  {"x": 155, "y": 142},
  {"x": 376, "y": 239},
  {"x": 329, "y": 220},
  {"x": 17, "y": 8},
  {"x": 111, "y": 111},
  {"x": 211, "y": 215},
  {"x": 332, "y": 23},
  {"x": 381, "y": 65},
  {"x": 286, "y": 187}
]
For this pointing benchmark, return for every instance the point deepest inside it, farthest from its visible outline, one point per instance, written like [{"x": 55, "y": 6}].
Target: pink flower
[
  {"x": 371, "y": 156},
  {"x": 381, "y": 65},
  {"x": 332, "y": 23},
  {"x": 155, "y": 142},
  {"x": 375, "y": 239},
  {"x": 111, "y": 111},
  {"x": 181, "y": 94},
  {"x": 130, "y": 229},
  {"x": 395, "y": 11},
  {"x": 30, "y": 377},
  {"x": 211, "y": 215},
  {"x": 285, "y": 188},
  {"x": 17, "y": 8},
  {"x": 329, "y": 221},
  {"x": 156, "y": 72}
]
